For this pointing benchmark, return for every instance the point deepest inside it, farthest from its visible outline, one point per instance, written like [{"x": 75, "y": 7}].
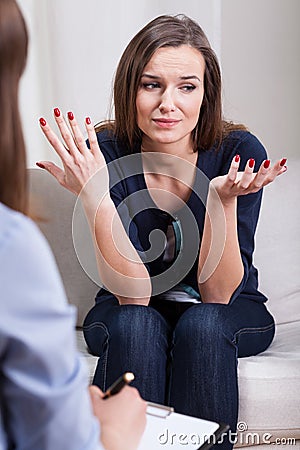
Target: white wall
[
  {"x": 75, "y": 46},
  {"x": 261, "y": 70}
]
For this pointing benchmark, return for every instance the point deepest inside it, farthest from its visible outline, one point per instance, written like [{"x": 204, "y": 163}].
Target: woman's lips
[{"x": 166, "y": 123}]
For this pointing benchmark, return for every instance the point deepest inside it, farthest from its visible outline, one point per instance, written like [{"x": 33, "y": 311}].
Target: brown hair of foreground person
[{"x": 13, "y": 55}]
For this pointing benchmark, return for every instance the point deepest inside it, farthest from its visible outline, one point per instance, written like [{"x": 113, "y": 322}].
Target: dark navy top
[{"x": 146, "y": 225}]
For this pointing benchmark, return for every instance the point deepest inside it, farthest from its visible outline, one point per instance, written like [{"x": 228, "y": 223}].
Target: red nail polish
[
  {"x": 237, "y": 158},
  {"x": 267, "y": 163},
  {"x": 88, "y": 120},
  {"x": 251, "y": 163},
  {"x": 43, "y": 122},
  {"x": 40, "y": 165},
  {"x": 282, "y": 162},
  {"x": 56, "y": 112},
  {"x": 70, "y": 115}
]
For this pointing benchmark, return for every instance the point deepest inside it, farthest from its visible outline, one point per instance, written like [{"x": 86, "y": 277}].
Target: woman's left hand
[{"x": 237, "y": 183}]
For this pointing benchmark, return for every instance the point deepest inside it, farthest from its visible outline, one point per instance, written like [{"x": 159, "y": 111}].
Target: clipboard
[{"x": 166, "y": 429}]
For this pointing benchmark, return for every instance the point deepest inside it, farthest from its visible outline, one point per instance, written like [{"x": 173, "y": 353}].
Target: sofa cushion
[
  {"x": 277, "y": 253},
  {"x": 89, "y": 360},
  {"x": 54, "y": 205},
  {"x": 269, "y": 386}
]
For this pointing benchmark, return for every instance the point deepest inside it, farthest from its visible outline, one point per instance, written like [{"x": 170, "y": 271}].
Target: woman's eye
[
  {"x": 188, "y": 87},
  {"x": 150, "y": 86}
]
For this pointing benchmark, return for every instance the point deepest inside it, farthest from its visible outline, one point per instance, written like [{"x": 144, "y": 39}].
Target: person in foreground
[
  {"x": 45, "y": 401},
  {"x": 172, "y": 193}
]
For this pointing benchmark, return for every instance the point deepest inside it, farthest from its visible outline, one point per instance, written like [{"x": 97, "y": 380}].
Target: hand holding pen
[
  {"x": 116, "y": 387},
  {"x": 122, "y": 415},
  {"x": 126, "y": 378}
]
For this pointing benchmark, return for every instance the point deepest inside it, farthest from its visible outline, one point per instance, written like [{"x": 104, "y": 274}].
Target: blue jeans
[{"x": 182, "y": 354}]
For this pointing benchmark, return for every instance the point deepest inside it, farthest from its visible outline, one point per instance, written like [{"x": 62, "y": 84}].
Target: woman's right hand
[
  {"x": 79, "y": 162},
  {"x": 122, "y": 417}
]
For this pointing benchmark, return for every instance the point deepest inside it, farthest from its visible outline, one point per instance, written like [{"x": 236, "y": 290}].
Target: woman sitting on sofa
[{"x": 172, "y": 193}]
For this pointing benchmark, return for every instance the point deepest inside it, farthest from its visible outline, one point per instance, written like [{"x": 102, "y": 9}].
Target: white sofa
[{"x": 269, "y": 383}]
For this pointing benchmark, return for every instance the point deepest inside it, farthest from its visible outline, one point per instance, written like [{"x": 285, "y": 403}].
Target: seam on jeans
[
  {"x": 105, "y": 354},
  {"x": 105, "y": 359},
  {"x": 96, "y": 325},
  {"x": 252, "y": 330}
]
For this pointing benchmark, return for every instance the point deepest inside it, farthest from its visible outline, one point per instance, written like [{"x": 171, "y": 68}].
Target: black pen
[{"x": 124, "y": 379}]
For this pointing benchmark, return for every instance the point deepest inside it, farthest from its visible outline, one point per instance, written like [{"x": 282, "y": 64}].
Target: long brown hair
[
  {"x": 167, "y": 31},
  {"x": 13, "y": 55}
]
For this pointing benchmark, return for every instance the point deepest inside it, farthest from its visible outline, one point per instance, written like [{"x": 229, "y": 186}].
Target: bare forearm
[
  {"x": 220, "y": 269},
  {"x": 119, "y": 265}
]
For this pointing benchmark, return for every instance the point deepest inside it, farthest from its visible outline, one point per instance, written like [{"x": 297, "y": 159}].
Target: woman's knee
[
  {"x": 204, "y": 322},
  {"x": 137, "y": 320},
  {"x": 134, "y": 324}
]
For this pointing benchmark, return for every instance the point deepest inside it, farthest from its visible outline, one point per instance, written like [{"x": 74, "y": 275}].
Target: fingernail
[
  {"x": 267, "y": 163},
  {"x": 56, "y": 112},
  {"x": 70, "y": 115},
  {"x": 88, "y": 120},
  {"x": 43, "y": 122},
  {"x": 282, "y": 162},
  {"x": 40, "y": 165},
  {"x": 251, "y": 163},
  {"x": 237, "y": 158}
]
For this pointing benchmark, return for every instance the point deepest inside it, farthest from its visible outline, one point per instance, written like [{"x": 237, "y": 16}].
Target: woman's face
[{"x": 170, "y": 95}]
